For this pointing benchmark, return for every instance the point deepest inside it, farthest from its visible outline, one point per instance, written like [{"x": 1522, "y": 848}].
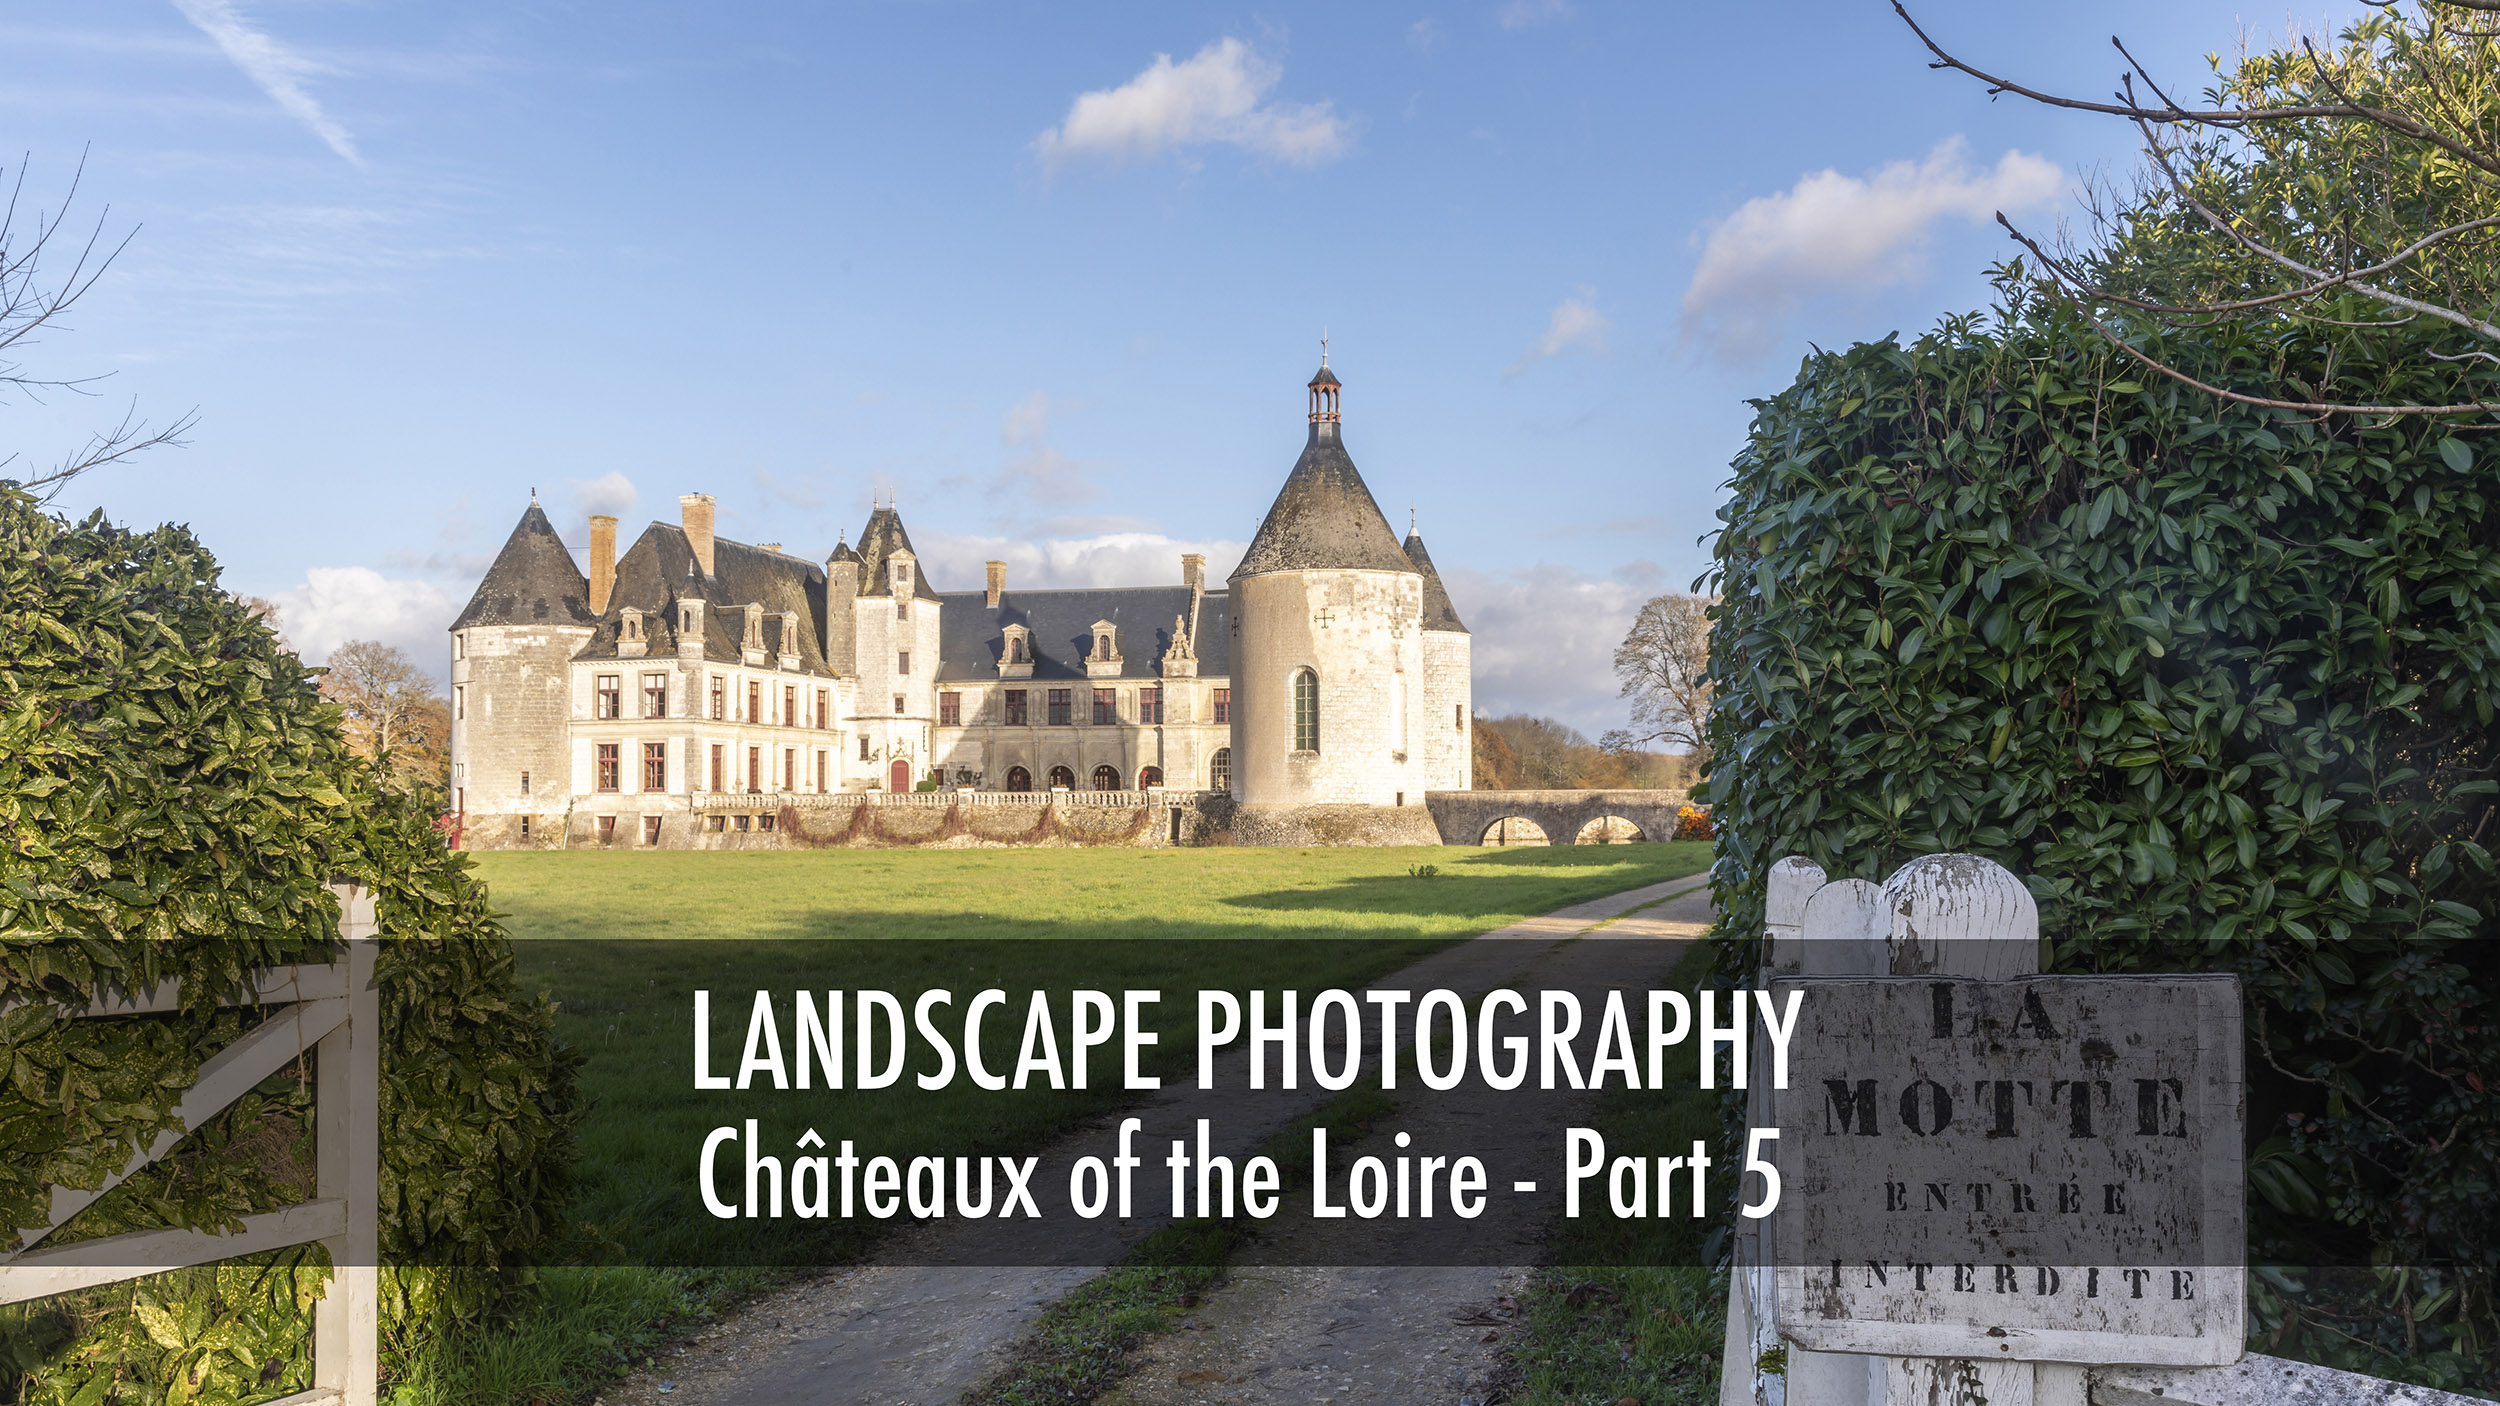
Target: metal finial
[
  {"x": 534, "y": 487},
  {"x": 1323, "y": 346},
  {"x": 1410, "y": 519}
]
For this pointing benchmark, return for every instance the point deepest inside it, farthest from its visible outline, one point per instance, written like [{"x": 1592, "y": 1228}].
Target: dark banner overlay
[{"x": 1016, "y": 1102}]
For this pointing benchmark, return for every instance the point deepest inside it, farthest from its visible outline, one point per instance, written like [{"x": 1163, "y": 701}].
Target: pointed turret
[
  {"x": 1439, "y": 614},
  {"x": 879, "y": 543},
  {"x": 534, "y": 581},
  {"x": 1324, "y": 517}
]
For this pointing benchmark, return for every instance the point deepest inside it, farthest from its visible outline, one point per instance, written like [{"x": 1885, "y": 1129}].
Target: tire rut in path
[{"x": 1299, "y": 1329}]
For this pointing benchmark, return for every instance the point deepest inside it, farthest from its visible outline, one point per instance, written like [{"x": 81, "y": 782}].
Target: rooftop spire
[{"x": 1324, "y": 393}]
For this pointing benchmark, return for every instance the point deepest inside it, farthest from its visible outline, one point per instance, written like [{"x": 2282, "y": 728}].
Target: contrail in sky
[{"x": 276, "y": 68}]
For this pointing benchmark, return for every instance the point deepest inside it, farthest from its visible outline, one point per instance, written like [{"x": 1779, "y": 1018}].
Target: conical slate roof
[
  {"x": 1324, "y": 518},
  {"x": 533, "y": 581},
  {"x": 1439, "y": 614}
]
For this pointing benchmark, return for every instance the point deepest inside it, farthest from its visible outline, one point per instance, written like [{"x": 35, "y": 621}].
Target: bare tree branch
[{"x": 31, "y": 301}]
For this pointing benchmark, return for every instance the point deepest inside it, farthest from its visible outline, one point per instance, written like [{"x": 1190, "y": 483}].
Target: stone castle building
[{"x": 696, "y": 685}]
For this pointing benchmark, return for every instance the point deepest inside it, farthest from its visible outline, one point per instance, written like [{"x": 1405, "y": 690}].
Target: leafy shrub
[
  {"x": 2218, "y": 680},
  {"x": 1693, "y": 823},
  {"x": 174, "y": 795}
]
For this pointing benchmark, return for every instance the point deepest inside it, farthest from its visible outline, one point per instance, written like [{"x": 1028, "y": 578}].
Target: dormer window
[
  {"x": 1015, "y": 652},
  {"x": 902, "y": 576},
  {"x": 1102, "y": 645},
  {"x": 629, "y": 627},
  {"x": 755, "y": 627}
]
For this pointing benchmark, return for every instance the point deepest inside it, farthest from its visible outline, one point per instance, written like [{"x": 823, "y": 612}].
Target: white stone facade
[{"x": 697, "y": 686}]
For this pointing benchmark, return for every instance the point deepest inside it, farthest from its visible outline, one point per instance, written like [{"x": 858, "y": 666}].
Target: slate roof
[
  {"x": 877, "y": 543},
  {"x": 1323, "y": 517},
  {"x": 656, "y": 573},
  {"x": 972, "y": 635},
  {"x": 533, "y": 581},
  {"x": 1439, "y": 614}
]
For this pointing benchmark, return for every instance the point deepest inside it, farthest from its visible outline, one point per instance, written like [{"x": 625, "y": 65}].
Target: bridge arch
[{"x": 1514, "y": 830}]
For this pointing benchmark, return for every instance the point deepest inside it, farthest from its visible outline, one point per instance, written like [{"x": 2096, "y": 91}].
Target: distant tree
[
  {"x": 1549, "y": 755},
  {"x": 32, "y": 298},
  {"x": 265, "y": 611},
  {"x": 1664, "y": 665},
  {"x": 392, "y": 711},
  {"x": 1495, "y": 765}
]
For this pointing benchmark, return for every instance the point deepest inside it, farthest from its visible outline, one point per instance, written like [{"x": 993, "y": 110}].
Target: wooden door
[{"x": 899, "y": 780}]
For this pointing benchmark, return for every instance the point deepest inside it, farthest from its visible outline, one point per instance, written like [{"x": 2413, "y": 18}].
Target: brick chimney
[
  {"x": 602, "y": 562},
  {"x": 697, "y": 511},
  {"x": 998, "y": 581}
]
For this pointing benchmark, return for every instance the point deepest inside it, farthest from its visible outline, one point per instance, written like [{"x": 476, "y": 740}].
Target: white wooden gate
[
  {"x": 1931, "y": 916},
  {"x": 333, "y": 1011}
]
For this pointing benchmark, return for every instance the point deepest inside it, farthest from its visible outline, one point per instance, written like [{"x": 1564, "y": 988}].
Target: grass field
[
  {"x": 1096, "y": 893},
  {"x": 1376, "y": 908}
]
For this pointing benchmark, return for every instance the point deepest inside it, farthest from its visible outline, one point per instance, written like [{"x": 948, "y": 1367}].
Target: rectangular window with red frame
[
  {"x": 608, "y": 766},
  {"x": 655, "y": 695},
  {"x": 1223, "y": 705},
  {"x": 1016, "y": 716},
  {"x": 950, "y": 709},
  {"x": 719, "y": 758},
  {"x": 719, "y": 693},
  {"x": 1150, "y": 705},
  {"x": 611, "y": 697},
  {"x": 755, "y": 701},
  {"x": 755, "y": 770},
  {"x": 1061, "y": 700},
  {"x": 1106, "y": 707},
  {"x": 790, "y": 705},
  {"x": 654, "y": 766}
]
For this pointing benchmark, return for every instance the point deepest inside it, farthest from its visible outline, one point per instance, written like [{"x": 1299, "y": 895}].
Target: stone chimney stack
[
  {"x": 998, "y": 581},
  {"x": 1194, "y": 576},
  {"x": 602, "y": 562},
  {"x": 697, "y": 511}
]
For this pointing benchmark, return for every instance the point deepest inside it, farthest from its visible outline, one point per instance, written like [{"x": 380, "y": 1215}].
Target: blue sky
[{"x": 1051, "y": 275}]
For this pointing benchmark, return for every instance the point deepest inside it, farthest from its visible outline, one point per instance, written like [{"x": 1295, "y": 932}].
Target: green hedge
[
  {"x": 174, "y": 795},
  {"x": 2219, "y": 681}
]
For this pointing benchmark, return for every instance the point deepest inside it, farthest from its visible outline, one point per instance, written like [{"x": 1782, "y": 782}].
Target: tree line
[{"x": 1663, "y": 668}]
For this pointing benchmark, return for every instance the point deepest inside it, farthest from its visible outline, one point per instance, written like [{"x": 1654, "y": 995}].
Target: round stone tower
[{"x": 1328, "y": 668}]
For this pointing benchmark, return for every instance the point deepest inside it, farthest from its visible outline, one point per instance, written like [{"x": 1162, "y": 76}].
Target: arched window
[
  {"x": 1061, "y": 776},
  {"x": 1220, "y": 771},
  {"x": 1149, "y": 776},
  {"x": 1106, "y": 778},
  {"x": 1305, "y": 711},
  {"x": 1018, "y": 779}
]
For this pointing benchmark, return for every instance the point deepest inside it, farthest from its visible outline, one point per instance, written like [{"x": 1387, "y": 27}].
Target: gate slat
[
  {"x": 85, "y": 1264},
  {"x": 224, "y": 1077}
]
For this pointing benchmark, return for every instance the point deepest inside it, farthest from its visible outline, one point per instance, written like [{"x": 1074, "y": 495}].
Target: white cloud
[
  {"x": 1528, "y": 14},
  {"x": 278, "y": 70},
  {"x": 1545, "y": 638},
  {"x": 611, "y": 494},
  {"x": 1028, "y": 420},
  {"x": 1215, "y": 96},
  {"x": 1836, "y": 233},
  {"x": 341, "y": 603},
  {"x": 1126, "y": 558},
  {"x": 1422, "y": 33},
  {"x": 1576, "y": 325}
]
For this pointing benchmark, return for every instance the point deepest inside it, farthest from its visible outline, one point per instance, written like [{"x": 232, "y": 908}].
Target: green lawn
[
  {"x": 1372, "y": 910},
  {"x": 1059, "y": 893}
]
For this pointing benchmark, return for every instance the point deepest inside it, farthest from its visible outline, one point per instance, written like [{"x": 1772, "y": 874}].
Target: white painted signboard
[{"x": 2041, "y": 1169}]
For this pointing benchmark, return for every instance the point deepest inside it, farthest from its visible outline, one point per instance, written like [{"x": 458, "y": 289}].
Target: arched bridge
[{"x": 1559, "y": 817}]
